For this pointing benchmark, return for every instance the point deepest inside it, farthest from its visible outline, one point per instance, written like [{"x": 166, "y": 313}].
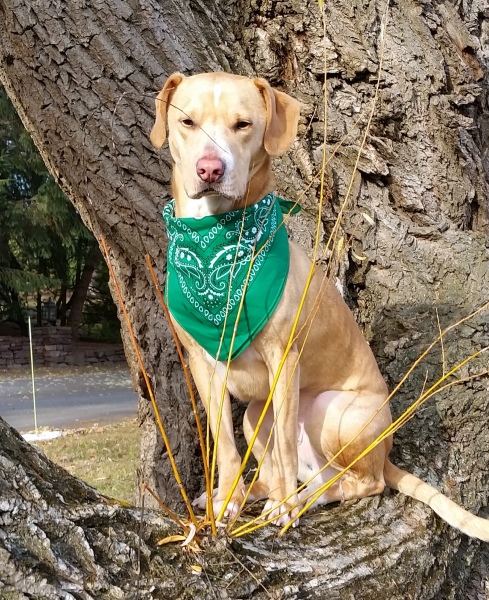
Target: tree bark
[
  {"x": 83, "y": 78},
  {"x": 59, "y": 538}
]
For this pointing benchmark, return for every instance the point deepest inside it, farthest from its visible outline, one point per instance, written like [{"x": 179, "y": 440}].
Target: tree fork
[{"x": 83, "y": 81}]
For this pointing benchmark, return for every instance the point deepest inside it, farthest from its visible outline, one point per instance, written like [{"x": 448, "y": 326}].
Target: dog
[{"x": 223, "y": 131}]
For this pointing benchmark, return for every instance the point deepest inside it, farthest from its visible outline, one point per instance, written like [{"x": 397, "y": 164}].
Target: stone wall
[{"x": 52, "y": 346}]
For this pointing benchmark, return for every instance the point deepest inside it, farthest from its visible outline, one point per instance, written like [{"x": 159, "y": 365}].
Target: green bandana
[{"x": 208, "y": 262}]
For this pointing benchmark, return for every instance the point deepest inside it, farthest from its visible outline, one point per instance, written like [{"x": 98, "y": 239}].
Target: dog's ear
[
  {"x": 282, "y": 118},
  {"x": 162, "y": 102}
]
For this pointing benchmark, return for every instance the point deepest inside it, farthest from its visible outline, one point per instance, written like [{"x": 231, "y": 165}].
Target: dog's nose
[{"x": 210, "y": 169}]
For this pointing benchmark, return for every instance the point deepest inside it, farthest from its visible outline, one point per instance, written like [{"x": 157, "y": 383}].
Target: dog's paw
[
  {"x": 201, "y": 501},
  {"x": 231, "y": 510},
  {"x": 281, "y": 513}
]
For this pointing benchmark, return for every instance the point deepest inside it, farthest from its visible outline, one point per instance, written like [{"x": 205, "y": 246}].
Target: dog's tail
[{"x": 452, "y": 513}]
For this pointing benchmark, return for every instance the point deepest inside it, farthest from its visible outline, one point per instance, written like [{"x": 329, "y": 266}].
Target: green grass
[{"x": 105, "y": 457}]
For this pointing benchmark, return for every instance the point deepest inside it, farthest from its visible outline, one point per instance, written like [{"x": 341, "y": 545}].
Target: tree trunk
[
  {"x": 80, "y": 291},
  {"x": 17, "y": 312},
  {"x": 61, "y": 305},
  {"x": 38, "y": 308},
  {"x": 83, "y": 78}
]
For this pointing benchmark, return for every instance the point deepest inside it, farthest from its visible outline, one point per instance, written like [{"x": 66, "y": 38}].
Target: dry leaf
[
  {"x": 196, "y": 569},
  {"x": 172, "y": 538},
  {"x": 358, "y": 257},
  {"x": 368, "y": 218},
  {"x": 191, "y": 535}
]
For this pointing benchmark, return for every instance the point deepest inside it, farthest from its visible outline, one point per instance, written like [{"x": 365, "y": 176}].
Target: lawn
[{"x": 105, "y": 457}]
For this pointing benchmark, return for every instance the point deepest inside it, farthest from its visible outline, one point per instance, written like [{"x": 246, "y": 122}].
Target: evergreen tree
[{"x": 45, "y": 249}]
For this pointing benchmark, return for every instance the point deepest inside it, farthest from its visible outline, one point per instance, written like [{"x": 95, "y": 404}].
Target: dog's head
[{"x": 221, "y": 129}]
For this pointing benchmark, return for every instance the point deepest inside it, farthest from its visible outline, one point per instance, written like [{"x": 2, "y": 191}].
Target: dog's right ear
[{"x": 162, "y": 102}]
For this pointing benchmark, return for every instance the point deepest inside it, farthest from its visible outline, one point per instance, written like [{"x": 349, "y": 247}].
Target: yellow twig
[
  {"x": 301, "y": 304},
  {"x": 169, "y": 512},
  {"x": 308, "y": 323},
  {"x": 208, "y": 482},
  {"x": 383, "y": 436},
  {"x": 318, "y": 229},
  {"x": 336, "y": 226},
  {"x": 245, "y": 528},
  {"x": 441, "y": 343},
  {"x": 147, "y": 382}
]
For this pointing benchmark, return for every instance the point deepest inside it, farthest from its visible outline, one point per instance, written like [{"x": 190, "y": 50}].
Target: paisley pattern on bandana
[{"x": 214, "y": 261}]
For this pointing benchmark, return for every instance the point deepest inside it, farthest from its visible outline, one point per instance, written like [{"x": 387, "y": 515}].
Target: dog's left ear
[
  {"x": 282, "y": 118},
  {"x": 162, "y": 101}
]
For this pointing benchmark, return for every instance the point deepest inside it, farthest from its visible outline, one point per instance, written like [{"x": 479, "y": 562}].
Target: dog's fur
[{"x": 223, "y": 132}]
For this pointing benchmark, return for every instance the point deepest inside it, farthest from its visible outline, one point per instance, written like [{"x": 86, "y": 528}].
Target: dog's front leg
[
  {"x": 282, "y": 504},
  {"x": 212, "y": 391}
]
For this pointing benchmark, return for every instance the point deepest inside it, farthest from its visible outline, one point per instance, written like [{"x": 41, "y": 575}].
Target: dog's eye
[
  {"x": 243, "y": 125},
  {"x": 187, "y": 122}
]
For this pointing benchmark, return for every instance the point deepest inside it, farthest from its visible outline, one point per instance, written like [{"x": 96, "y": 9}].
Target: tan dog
[{"x": 223, "y": 131}]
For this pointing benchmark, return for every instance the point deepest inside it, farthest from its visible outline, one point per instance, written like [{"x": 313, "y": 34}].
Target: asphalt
[{"x": 67, "y": 398}]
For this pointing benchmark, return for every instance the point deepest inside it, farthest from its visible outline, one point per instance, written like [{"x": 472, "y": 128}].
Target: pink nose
[{"x": 210, "y": 169}]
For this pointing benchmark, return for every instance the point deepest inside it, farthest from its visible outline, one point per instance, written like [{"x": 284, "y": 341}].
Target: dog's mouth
[{"x": 213, "y": 190}]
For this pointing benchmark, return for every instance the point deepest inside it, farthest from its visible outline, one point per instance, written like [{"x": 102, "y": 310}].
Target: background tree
[
  {"x": 47, "y": 250},
  {"x": 19, "y": 164},
  {"x": 83, "y": 80}
]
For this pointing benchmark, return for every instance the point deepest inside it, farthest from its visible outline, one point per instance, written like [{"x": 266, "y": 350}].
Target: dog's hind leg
[
  {"x": 334, "y": 421},
  {"x": 356, "y": 483}
]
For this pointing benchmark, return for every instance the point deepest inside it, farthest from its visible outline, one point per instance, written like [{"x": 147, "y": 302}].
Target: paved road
[{"x": 67, "y": 398}]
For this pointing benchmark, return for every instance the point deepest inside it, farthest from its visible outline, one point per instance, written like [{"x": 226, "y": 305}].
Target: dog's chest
[{"x": 247, "y": 378}]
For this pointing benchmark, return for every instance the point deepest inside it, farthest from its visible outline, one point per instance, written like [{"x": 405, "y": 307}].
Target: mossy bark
[{"x": 83, "y": 77}]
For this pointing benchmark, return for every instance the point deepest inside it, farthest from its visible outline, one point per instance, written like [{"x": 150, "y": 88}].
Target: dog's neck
[{"x": 261, "y": 183}]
